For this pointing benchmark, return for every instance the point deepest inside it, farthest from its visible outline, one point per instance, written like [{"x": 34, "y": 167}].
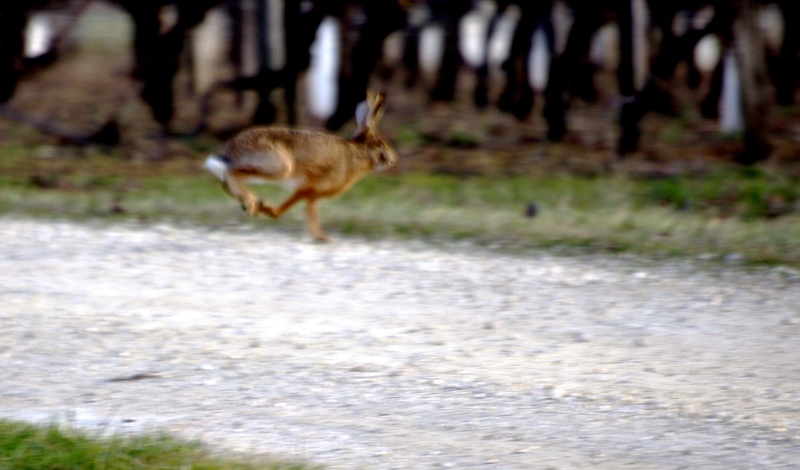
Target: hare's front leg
[
  {"x": 312, "y": 216},
  {"x": 312, "y": 220}
]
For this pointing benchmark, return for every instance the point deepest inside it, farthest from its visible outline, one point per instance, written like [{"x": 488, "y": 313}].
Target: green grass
[
  {"x": 750, "y": 212},
  {"x": 714, "y": 215},
  {"x": 25, "y": 446}
]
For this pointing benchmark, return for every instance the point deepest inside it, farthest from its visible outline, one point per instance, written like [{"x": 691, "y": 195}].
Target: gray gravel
[{"x": 362, "y": 354}]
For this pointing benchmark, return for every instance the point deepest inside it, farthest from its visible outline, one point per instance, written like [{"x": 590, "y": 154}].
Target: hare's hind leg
[
  {"x": 268, "y": 166},
  {"x": 237, "y": 190}
]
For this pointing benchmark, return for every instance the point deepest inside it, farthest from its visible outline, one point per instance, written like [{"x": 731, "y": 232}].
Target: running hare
[{"x": 313, "y": 164}]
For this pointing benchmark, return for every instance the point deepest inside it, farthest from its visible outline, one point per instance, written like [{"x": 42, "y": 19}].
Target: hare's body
[
  {"x": 297, "y": 158},
  {"x": 311, "y": 164}
]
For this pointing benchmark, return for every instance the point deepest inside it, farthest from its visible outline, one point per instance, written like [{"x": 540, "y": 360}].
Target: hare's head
[{"x": 368, "y": 114}]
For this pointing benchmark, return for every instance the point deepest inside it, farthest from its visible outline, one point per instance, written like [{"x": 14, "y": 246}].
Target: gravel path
[{"x": 400, "y": 355}]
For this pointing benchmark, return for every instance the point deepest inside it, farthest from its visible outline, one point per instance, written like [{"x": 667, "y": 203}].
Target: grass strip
[
  {"x": 26, "y": 446},
  {"x": 751, "y": 215}
]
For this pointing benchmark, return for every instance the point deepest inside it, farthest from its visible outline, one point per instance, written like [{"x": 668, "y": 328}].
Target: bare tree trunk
[
  {"x": 785, "y": 76},
  {"x": 754, "y": 79},
  {"x": 157, "y": 54},
  {"x": 449, "y": 14},
  {"x": 13, "y": 17},
  {"x": 360, "y": 58}
]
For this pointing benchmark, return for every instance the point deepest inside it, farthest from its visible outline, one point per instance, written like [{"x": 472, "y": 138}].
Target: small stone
[
  {"x": 531, "y": 210},
  {"x": 582, "y": 338},
  {"x": 733, "y": 258}
]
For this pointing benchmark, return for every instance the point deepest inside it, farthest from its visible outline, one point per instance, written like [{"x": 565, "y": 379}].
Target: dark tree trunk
[
  {"x": 785, "y": 74},
  {"x": 754, "y": 79},
  {"x": 448, "y": 13},
  {"x": 568, "y": 65},
  {"x": 157, "y": 55},
  {"x": 631, "y": 111},
  {"x": 517, "y": 95},
  {"x": 359, "y": 61},
  {"x": 13, "y": 17}
]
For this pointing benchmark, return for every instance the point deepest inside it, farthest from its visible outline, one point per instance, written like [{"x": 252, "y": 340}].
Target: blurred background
[{"x": 492, "y": 79}]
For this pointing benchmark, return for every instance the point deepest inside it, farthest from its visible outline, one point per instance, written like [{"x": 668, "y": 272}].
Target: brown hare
[{"x": 312, "y": 164}]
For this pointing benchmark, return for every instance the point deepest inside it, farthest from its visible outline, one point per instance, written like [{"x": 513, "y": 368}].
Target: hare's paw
[
  {"x": 319, "y": 235},
  {"x": 267, "y": 210},
  {"x": 251, "y": 206}
]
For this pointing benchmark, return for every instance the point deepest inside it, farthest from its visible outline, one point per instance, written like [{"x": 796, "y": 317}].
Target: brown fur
[{"x": 316, "y": 164}]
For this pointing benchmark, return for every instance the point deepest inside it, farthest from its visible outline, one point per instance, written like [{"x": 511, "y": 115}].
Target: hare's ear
[
  {"x": 362, "y": 116},
  {"x": 369, "y": 112},
  {"x": 377, "y": 104}
]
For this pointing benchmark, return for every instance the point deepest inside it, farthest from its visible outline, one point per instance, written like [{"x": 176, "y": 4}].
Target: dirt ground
[{"x": 400, "y": 355}]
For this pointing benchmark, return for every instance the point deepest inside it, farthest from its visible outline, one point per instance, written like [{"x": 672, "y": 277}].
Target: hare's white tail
[{"x": 216, "y": 165}]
